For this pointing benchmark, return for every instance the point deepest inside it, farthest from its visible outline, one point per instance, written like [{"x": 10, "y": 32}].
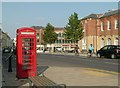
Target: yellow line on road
[{"x": 104, "y": 71}]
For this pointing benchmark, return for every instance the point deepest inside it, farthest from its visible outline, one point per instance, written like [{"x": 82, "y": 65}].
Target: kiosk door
[{"x": 28, "y": 55}]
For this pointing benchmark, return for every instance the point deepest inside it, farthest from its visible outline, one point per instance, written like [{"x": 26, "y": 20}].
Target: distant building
[
  {"x": 39, "y": 40},
  {"x": 14, "y": 41},
  {"x": 6, "y": 40},
  {"x": 62, "y": 42}
]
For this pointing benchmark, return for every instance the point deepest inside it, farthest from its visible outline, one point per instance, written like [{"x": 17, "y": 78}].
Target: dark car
[
  {"x": 14, "y": 50},
  {"x": 7, "y": 50},
  {"x": 110, "y": 51}
]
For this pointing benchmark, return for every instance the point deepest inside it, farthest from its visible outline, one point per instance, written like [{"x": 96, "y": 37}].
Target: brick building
[
  {"x": 91, "y": 24},
  {"x": 61, "y": 42},
  {"x": 39, "y": 40},
  {"x": 100, "y": 30},
  {"x": 109, "y": 28}
]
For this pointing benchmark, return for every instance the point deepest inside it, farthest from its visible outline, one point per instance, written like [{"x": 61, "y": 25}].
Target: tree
[
  {"x": 74, "y": 29},
  {"x": 49, "y": 35}
]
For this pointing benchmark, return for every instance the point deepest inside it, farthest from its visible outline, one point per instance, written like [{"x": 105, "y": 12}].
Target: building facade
[
  {"x": 39, "y": 40},
  {"x": 100, "y": 30},
  {"x": 91, "y": 24},
  {"x": 62, "y": 43},
  {"x": 109, "y": 32},
  {"x": 6, "y": 40}
]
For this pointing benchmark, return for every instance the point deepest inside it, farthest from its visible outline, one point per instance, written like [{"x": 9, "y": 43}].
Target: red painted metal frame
[{"x": 21, "y": 34}]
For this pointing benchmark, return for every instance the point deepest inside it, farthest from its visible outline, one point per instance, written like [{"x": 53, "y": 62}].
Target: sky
[{"x": 26, "y": 14}]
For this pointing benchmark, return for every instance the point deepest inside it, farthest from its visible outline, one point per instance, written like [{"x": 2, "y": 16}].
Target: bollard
[{"x": 10, "y": 64}]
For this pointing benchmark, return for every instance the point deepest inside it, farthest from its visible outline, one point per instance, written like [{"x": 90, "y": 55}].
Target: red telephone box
[{"x": 26, "y": 52}]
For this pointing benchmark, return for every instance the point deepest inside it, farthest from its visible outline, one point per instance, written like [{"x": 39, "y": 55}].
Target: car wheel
[
  {"x": 113, "y": 56},
  {"x": 98, "y": 55}
]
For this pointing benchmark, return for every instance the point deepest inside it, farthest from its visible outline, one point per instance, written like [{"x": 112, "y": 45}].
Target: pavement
[
  {"x": 71, "y": 76},
  {"x": 77, "y": 76},
  {"x": 9, "y": 78}
]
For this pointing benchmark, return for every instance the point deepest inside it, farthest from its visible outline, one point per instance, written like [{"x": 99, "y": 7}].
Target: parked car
[
  {"x": 110, "y": 51},
  {"x": 70, "y": 50},
  {"x": 7, "y": 50},
  {"x": 14, "y": 50},
  {"x": 59, "y": 49}
]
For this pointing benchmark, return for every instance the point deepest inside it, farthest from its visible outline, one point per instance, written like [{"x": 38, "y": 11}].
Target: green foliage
[
  {"x": 73, "y": 29},
  {"x": 49, "y": 35}
]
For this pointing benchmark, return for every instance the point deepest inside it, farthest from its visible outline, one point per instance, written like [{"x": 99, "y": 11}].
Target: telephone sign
[{"x": 26, "y": 52}]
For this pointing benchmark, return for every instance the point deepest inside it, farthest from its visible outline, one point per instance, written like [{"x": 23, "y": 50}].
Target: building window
[
  {"x": 116, "y": 41},
  {"x": 86, "y": 21},
  {"x": 116, "y": 24},
  {"x": 37, "y": 34},
  {"x": 83, "y": 41},
  {"x": 84, "y": 29},
  {"x": 56, "y": 41},
  {"x": 37, "y": 40},
  {"x": 62, "y": 35},
  {"x": 102, "y": 26},
  {"x": 109, "y": 42},
  {"x": 66, "y": 41},
  {"x": 59, "y": 35},
  {"x": 102, "y": 42},
  {"x": 63, "y": 41},
  {"x": 59, "y": 41},
  {"x": 109, "y": 25}
]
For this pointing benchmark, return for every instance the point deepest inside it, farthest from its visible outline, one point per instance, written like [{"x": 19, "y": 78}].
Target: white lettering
[{"x": 28, "y": 33}]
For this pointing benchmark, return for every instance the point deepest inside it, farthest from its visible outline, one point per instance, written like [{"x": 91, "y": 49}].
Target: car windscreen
[
  {"x": 118, "y": 47},
  {"x": 6, "y": 50}
]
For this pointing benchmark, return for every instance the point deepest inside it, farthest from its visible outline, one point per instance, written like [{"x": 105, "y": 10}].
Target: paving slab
[{"x": 77, "y": 76}]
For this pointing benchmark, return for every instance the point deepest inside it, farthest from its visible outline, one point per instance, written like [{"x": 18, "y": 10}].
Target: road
[
  {"x": 78, "y": 61},
  {"x": 69, "y": 70}
]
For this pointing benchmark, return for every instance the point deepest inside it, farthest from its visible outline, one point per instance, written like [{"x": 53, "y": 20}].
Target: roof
[
  {"x": 25, "y": 29},
  {"x": 110, "y": 13},
  {"x": 59, "y": 28},
  {"x": 95, "y": 16},
  {"x": 37, "y": 27}
]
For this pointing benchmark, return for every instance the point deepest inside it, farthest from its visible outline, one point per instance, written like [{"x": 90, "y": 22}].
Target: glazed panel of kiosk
[{"x": 26, "y": 52}]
